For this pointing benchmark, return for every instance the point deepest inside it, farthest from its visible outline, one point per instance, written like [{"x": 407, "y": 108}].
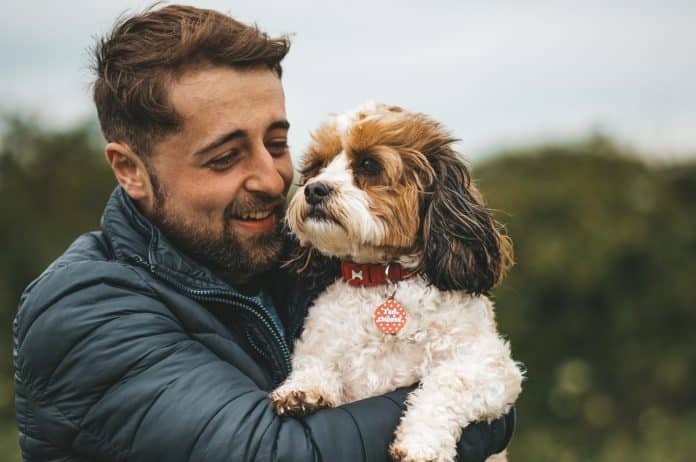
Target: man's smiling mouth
[
  {"x": 255, "y": 216},
  {"x": 260, "y": 221}
]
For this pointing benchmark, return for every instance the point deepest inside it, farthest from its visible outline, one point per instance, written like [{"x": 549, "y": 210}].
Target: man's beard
[{"x": 227, "y": 255}]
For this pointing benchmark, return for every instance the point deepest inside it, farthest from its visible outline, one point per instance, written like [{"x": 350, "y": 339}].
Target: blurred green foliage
[{"x": 599, "y": 306}]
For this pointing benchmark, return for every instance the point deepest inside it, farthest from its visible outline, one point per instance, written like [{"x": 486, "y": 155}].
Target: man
[{"x": 159, "y": 337}]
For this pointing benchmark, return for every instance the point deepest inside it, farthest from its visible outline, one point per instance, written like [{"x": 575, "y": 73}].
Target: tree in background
[
  {"x": 600, "y": 306},
  {"x": 602, "y": 302}
]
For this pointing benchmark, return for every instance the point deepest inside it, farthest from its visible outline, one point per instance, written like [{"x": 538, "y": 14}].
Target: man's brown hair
[{"x": 144, "y": 53}]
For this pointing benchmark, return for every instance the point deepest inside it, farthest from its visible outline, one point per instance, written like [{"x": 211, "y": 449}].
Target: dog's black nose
[{"x": 316, "y": 192}]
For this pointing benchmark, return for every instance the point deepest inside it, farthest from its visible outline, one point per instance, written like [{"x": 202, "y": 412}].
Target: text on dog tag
[{"x": 390, "y": 316}]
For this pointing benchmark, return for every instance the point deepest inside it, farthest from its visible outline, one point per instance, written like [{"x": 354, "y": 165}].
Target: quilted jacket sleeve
[{"x": 106, "y": 373}]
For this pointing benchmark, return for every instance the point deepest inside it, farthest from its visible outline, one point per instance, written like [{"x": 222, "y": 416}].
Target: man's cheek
[
  {"x": 285, "y": 170},
  {"x": 210, "y": 207}
]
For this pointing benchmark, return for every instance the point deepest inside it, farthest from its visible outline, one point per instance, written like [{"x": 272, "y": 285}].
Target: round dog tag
[{"x": 390, "y": 316}]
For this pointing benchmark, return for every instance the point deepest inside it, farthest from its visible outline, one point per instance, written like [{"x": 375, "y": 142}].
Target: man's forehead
[{"x": 213, "y": 91}]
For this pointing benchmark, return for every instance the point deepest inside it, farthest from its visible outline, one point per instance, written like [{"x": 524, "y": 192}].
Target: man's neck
[{"x": 245, "y": 284}]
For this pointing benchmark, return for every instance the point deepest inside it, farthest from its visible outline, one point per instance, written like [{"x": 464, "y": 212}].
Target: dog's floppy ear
[{"x": 464, "y": 247}]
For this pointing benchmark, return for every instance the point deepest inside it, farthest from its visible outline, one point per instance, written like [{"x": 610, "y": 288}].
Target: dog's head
[{"x": 382, "y": 185}]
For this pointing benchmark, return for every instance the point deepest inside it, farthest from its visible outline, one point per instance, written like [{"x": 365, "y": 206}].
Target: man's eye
[
  {"x": 222, "y": 162},
  {"x": 278, "y": 148}
]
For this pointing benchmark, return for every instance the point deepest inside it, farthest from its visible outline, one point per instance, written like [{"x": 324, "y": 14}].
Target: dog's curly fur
[{"x": 394, "y": 190}]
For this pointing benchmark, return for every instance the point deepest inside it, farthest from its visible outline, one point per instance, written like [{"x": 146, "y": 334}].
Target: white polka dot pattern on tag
[{"x": 390, "y": 316}]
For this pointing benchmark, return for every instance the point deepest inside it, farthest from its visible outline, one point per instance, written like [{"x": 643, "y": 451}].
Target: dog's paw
[
  {"x": 416, "y": 451},
  {"x": 297, "y": 403},
  {"x": 399, "y": 454}
]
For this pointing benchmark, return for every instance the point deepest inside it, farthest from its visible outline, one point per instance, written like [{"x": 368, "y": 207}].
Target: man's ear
[{"x": 131, "y": 173}]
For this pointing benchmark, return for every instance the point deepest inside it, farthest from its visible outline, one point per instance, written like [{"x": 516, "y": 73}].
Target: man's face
[{"x": 220, "y": 183}]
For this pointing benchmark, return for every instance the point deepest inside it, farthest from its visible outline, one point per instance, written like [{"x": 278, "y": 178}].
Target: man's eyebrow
[
  {"x": 284, "y": 124},
  {"x": 219, "y": 141}
]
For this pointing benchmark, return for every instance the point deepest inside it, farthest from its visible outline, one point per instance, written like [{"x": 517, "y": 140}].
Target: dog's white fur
[
  {"x": 450, "y": 342},
  {"x": 359, "y": 229}
]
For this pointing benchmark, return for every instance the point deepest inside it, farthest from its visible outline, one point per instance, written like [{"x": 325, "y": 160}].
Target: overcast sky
[{"x": 497, "y": 73}]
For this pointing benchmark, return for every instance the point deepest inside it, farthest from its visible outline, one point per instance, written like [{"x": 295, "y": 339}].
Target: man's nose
[
  {"x": 265, "y": 176},
  {"x": 316, "y": 192}
]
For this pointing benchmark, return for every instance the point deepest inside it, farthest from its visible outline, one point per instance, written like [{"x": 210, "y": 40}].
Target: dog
[{"x": 385, "y": 194}]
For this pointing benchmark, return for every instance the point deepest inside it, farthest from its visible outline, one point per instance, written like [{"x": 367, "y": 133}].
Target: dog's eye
[
  {"x": 312, "y": 169},
  {"x": 368, "y": 166}
]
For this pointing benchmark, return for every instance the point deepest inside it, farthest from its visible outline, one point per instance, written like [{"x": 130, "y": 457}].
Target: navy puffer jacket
[{"x": 127, "y": 350}]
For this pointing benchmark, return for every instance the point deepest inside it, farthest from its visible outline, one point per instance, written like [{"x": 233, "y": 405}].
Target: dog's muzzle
[{"x": 316, "y": 192}]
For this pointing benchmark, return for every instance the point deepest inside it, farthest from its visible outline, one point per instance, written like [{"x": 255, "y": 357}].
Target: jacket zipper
[{"x": 235, "y": 300}]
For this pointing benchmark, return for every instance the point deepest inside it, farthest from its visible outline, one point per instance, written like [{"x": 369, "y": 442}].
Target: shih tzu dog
[{"x": 387, "y": 200}]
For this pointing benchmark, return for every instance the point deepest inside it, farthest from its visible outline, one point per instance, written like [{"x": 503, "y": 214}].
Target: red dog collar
[{"x": 371, "y": 274}]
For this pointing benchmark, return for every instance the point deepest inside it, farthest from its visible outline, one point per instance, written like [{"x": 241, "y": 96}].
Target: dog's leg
[
  {"x": 314, "y": 382},
  {"x": 479, "y": 384},
  {"x": 312, "y": 385}
]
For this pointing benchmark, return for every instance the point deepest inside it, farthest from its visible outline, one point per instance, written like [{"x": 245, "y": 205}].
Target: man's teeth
[{"x": 256, "y": 215}]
